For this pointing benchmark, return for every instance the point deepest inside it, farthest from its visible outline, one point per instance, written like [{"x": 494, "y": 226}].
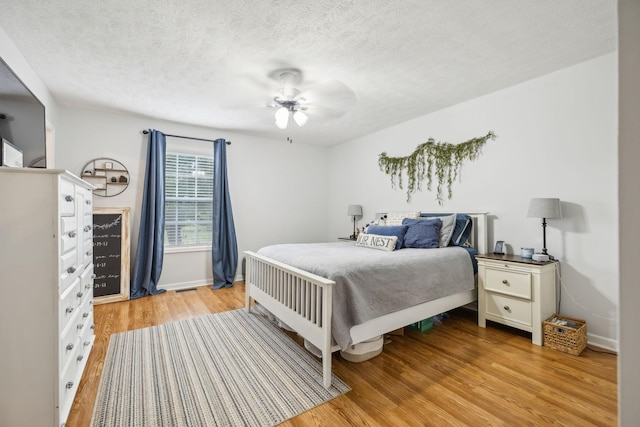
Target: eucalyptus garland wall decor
[{"x": 431, "y": 159}]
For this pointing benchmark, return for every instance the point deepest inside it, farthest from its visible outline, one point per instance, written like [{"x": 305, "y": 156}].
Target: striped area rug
[{"x": 224, "y": 369}]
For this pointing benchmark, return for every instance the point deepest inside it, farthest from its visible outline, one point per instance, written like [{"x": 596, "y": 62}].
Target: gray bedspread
[{"x": 371, "y": 283}]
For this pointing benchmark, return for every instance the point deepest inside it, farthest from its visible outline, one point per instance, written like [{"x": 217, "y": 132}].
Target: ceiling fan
[
  {"x": 288, "y": 100},
  {"x": 297, "y": 100}
]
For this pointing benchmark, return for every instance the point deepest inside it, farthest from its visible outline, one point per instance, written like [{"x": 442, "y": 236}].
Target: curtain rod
[{"x": 186, "y": 137}]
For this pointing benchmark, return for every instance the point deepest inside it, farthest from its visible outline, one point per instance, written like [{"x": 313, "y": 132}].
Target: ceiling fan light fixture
[
  {"x": 282, "y": 117},
  {"x": 300, "y": 118}
]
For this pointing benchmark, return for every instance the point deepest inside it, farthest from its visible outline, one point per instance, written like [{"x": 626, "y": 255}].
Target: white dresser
[{"x": 46, "y": 285}]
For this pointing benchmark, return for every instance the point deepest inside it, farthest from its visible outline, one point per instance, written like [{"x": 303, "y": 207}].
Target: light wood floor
[{"x": 455, "y": 374}]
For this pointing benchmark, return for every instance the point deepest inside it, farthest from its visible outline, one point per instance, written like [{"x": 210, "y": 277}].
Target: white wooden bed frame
[{"x": 303, "y": 300}]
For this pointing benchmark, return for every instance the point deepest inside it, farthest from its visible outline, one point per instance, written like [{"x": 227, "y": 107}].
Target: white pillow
[
  {"x": 375, "y": 241},
  {"x": 395, "y": 218},
  {"x": 446, "y": 231}
]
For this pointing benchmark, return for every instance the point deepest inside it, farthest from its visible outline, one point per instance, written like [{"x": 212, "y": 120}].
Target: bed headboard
[{"x": 479, "y": 239}]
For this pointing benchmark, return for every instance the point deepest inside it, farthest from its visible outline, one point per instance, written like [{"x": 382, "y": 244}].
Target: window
[{"x": 188, "y": 200}]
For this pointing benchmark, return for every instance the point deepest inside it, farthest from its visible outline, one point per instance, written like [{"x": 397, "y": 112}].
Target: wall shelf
[{"x": 109, "y": 176}]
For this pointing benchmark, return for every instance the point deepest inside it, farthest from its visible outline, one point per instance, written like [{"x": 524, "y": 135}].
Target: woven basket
[{"x": 568, "y": 339}]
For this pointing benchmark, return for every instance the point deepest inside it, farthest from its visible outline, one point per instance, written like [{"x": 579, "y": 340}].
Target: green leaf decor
[{"x": 439, "y": 160}]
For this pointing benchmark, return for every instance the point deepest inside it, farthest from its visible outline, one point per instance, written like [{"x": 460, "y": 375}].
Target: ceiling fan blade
[
  {"x": 247, "y": 91},
  {"x": 327, "y": 99}
]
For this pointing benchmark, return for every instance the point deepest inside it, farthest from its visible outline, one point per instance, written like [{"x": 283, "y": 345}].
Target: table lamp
[
  {"x": 544, "y": 208},
  {"x": 354, "y": 211}
]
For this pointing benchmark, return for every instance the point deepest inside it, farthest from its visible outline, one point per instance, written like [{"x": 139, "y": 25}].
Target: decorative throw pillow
[
  {"x": 446, "y": 231},
  {"x": 395, "y": 218},
  {"x": 462, "y": 230},
  {"x": 422, "y": 233},
  {"x": 389, "y": 230},
  {"x": 465, "y": 225},
  {"x": 374, "y": 241}
]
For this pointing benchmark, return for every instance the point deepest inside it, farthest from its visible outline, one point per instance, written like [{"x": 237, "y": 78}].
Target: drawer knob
[
  {"x": 88, "y": 202},
  {"x": 69, "y": 310},
  {"x": 71, "y": 270},
  {"x": 69, "y": 384},
  {"x": 506, "y": 307},
  {"x": 93, "y": 276},
  {"x": 85, "y": 315},
  {"x": 79, "y": 294},
  {"x": 87, "y": 286},
  {"x": 79, "y": 358},
  {"x": 68, "y": 198},
  {"x": 93, "y": 326},
  {"x": 87, "y": 228},
  {"x": 87, "y": 343},
  {"x": 69, "y": 347},
  {"x": 80, "y": 325},
  {"x": 505, "y": 281},
  {"x": 89, "y": 253},
  {"x": 72, "y": 234}
]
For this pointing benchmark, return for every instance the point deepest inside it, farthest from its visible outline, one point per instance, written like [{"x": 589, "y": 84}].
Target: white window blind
[{"x": 188, "y": 200}]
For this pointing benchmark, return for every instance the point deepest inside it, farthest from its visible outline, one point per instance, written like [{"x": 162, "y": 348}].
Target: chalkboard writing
[
  {"x": 107, "y": 239},
  {"x": 111, "y": 254}
]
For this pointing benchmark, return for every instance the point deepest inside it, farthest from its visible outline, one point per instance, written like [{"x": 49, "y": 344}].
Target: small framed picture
[{"x": 108, "y": 165}]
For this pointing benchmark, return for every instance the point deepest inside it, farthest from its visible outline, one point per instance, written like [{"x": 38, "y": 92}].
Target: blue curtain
[
  {"x": 148, "y": 262},
  {"x": 224, "y": 247}
]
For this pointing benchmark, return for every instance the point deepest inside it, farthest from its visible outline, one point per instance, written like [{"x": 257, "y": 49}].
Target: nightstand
[{"x": 516, "y": 292}]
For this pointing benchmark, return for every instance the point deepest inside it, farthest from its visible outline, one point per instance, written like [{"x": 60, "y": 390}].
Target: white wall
[
  {"x": 556, "y": 137},
  {"x": 629, "y": 370},
  {"x": 278, "y": 190}
]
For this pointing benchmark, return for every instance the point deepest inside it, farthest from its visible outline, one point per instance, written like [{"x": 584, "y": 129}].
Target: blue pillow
[
  {"x": 389, "y": 230},
  {"x": 422, "y": 233},
  {"x": 462, "y": 230}
]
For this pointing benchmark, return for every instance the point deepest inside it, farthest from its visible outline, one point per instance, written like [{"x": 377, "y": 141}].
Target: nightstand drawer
[
  {"x": 508, "y": 282},
  {"x": 510, "y": 309}
]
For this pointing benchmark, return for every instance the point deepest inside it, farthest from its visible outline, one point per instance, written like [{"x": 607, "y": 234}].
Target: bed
[{"x": 284, "y": 280}]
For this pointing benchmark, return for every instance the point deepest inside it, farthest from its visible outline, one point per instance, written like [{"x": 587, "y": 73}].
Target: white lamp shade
[
  {"x": 300, "y": 118},
  {"x": 354, "y": 210},
  {"x": 282, "y": 117},
  {"x": 544, "y": 208}
]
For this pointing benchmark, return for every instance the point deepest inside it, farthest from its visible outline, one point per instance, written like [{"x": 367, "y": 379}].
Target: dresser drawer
[
  {"x": 68, "y": 233},
  {"x": 87, "y": 222},
  {"x": 508, "y": 282},
  {"x": 67, "y": 197},
  {"x": 68, "y": 304},
  {"x": 69, "y": 341},
  {"x": 88, "y": 203},
  {"x": 86, "y": 279},
  {"x": 68, "y": 385},
  {"x": 68, "y": 268},
  {"x": 86, "y": 315},
  {"x": 87, "y": 250},
  {"x": 509, "y": 309},
  {"x": 87, "y": 337}
]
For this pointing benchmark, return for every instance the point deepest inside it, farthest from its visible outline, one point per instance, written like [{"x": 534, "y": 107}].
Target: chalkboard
[{"x": 110, "y": 254}]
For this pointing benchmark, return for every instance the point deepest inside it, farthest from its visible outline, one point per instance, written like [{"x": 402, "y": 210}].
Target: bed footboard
[{"x": 298, "y": 298}]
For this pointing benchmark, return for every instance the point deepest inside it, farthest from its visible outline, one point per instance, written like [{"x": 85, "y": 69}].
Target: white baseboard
[
  {"x": 184, "y": 285},
  {"x": 602, "y": 342},
  {"x": 193, "y": 284}
]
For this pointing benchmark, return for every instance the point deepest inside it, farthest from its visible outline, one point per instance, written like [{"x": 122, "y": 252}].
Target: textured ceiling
[{"x": 207, "y": 62}]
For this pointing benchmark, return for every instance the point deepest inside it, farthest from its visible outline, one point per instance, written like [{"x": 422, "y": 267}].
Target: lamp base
[{"x": 540, "y": 257}]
